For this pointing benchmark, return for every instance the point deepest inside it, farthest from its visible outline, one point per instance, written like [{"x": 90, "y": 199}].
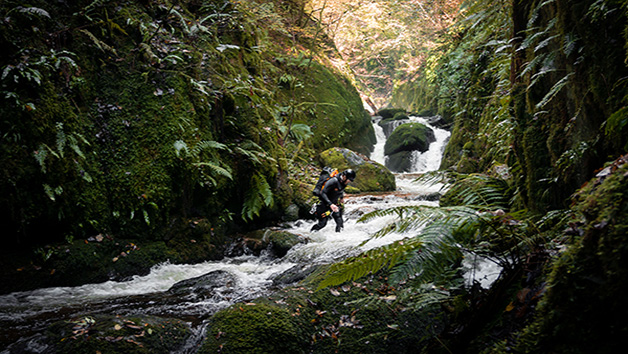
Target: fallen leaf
[
  {"x": 334, "y": 292},
  {"x": 510, "y": 307}
]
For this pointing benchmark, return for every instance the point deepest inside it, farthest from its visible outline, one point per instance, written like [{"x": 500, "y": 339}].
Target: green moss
[
  {"x": 408, "y": 137},
  {"x": 582, "y": 309},
  {"x": 388, "y": 113},
  {"x": 253, "y": 328}
]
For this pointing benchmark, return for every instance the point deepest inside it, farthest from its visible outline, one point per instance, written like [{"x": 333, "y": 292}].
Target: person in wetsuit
[{"x": 331, "y": 197}]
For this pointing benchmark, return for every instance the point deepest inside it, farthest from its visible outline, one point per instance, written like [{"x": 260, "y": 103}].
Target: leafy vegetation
[
  {"x": 124, "y": 118},
  {"x": 521, "y": 81}
]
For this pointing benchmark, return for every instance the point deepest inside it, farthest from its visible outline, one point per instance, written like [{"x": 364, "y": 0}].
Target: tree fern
[{"x": 203, "y": 157}]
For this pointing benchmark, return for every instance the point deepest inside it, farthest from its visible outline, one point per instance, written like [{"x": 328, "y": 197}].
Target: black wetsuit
[{"x": 330, "y": 194}]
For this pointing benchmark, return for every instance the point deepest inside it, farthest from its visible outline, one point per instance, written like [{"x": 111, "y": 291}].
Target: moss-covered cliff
[
  {"x": 534, "y": 85},
  {"x": 125, "y": 117}
]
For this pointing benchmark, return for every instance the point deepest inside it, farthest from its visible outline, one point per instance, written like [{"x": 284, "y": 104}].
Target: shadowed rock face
[{"x": 205, "y": 285}]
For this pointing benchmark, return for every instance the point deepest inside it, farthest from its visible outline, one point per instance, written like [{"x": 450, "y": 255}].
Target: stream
[{"x": 24, "y": 314}]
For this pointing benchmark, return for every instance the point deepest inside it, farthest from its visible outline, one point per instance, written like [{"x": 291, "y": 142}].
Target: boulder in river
[
  {"x": 204, "y": 285},
  {"x": 409, "y": 137},
  {"x": 277, "y": 241},
  {"x": 108, "y": 334},
  {"x": 403, "y": 141},
  {"x": 370, "y": 175}
]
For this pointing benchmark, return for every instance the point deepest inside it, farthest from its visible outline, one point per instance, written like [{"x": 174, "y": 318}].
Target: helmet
[{"x": 350, "y": 174}]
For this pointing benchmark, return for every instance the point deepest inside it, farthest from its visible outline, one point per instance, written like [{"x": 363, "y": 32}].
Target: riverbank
[{"x": 105, "y": 257}]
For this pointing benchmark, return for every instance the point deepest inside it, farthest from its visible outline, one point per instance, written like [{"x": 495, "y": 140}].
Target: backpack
[{"x": 326, "y": 174}]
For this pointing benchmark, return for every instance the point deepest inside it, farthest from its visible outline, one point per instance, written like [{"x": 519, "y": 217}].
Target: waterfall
[
  {"x": 378, "y": 150},
  {"x": 421, "y": 161}
]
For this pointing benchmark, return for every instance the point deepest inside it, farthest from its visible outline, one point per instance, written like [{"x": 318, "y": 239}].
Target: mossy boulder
[
  {"x": 400, "y": 162},
  {"x": 388, "y": 113},
  {"x": 111, "y": 335},
  {"x": 370, "y": 175},
  {"x": 364, "y": 316},
  {"x": 280, "y": 242},
  {"x": 409, "y": 137},
  {"x": 405, "y": 139},
  {"x": 204, "y": 285},
  {"x": 254, "y": 328},
  {"x": 277, "y": 241}
]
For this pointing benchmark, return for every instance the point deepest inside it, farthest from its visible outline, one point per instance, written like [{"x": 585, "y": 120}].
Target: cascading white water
[
  {"x": 378, "y": 150},
  {"x": 421, "y": 161},
  {"x": 253, "y": 274}
]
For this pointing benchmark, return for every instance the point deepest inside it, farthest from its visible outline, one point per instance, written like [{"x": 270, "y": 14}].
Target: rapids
[{"x": 24, "y": 314}]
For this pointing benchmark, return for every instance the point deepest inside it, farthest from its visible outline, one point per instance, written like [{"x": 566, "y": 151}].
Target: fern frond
[
  {"x": 208, "y": 145},
  {"x": 215, "y": 169},
  {"x": 481, "y": 192},
  {"x": 40, "y": 155},
  {"x": 257, "y": 196},
  {"x": 100, "y": 44},
  {"x": 73, "y": 143},
  {"x": 554, "y": 91},
  {"x": 33, "y": 10},
  {"x": 61, "y": 139},
  {"x": 148, "y": 53},
  {"x": 368, "y": 262},
  {"x": 431, "y": 178},
  {"x": 179, "y": 146}
]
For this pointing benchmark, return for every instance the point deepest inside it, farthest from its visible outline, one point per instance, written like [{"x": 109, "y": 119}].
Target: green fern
[
  {"x": 258, "y": 195},
  {"x": 554, "y": 90},
  {"x": 99, "y": 44},
  {"x": 205, "y": 160},
  {"x": 369, "y": 262},
  {"x": 440, "y": 235},
  {"x": 30, "y": 11}
]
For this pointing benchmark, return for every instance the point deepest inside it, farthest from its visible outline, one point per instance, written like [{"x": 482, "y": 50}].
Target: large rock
[
  {"x": 204, "y": 285},
  {"x": 403, "y": 141},
  {"x": 400, "y": 162},
  {"x": 409, "y": 137},
  {"x": 280, "y": 242},
  {"x": 255, "y": 328},
  {"x": 370, "y": 175},
  {"x": 277, "y": 241}
]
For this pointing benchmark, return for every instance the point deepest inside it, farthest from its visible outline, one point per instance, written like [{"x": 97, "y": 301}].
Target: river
[{"x": 24, "y": 314}]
